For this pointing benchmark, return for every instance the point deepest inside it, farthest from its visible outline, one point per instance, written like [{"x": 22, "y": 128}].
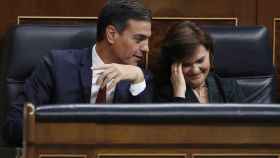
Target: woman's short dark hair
[
  {"x": 182, "y": 39},
  {"x": 180, "y": 42},
  {"x": 118, "y": 12}
]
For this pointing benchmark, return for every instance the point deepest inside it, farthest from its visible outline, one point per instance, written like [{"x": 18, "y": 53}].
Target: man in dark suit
[{"x": 105, "y": 73}]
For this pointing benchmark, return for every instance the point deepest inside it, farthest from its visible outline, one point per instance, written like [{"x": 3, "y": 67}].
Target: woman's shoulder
[{"x": 222, "y": 80}]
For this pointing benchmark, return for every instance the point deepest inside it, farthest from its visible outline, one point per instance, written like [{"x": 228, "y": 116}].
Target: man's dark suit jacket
[
  {"x": 64, "y": 76},
  {"x": 219, "y": 91}
]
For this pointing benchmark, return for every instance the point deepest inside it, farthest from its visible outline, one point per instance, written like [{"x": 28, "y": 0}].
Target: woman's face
[{"x": 196, "y": 68}]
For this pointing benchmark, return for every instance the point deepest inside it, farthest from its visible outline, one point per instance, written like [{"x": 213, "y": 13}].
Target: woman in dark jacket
[{"x": 185, "y": 74}]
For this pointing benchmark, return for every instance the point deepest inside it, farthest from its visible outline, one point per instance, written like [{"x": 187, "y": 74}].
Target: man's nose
[{"x": 145, "y": 47}]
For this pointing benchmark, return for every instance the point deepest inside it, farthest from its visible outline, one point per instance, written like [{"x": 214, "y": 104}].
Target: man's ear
[{"x": 112, "y": 34}]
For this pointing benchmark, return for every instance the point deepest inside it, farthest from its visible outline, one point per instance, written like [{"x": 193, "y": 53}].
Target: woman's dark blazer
[{"x": 219, "y": 91}]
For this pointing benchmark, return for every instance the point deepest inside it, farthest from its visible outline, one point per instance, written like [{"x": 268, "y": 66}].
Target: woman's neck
[{"x": 201, "y": 93}]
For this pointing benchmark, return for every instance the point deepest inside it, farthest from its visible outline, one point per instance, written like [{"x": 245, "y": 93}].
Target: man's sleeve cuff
[{"x": 137, "y": 88}]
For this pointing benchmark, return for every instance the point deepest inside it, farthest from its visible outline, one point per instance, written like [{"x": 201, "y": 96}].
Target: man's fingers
[
  {"x": 109, "y": 78},
  {"x": 123, "y": 72},
  {"x": 107, "y": 72},
  {"x": 99, "y": 80},
  {"x": 113, "y": 83},
  {"x": 103, "y": 75},
  {"x": 101, "y": 67},
  {"x": 100, "y": 70}
]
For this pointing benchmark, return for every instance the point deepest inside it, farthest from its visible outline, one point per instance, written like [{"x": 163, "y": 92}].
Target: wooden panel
[
  {"x": 55, "y": 20},
  {"x": 267, "y": 11},
  {"x": 151, "y": 140},
  {"x": 10, "y": 10},
  {"x": 61, "y": 156},
  {"x": 149, "y": 134},
  {"x": 145, "y": 155},
  {"x": 243, "y": 10},
  {"x": 235, "y": 155},
  {"x": 157, "y": 151}
]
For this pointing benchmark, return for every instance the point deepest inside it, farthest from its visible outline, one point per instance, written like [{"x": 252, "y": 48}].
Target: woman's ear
[{"x": 112, "y": 34}]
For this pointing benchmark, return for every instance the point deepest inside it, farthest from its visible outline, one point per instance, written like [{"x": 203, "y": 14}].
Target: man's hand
[
  {"x": 116, "y": 72},
  {"x": 178, "y": 80}
]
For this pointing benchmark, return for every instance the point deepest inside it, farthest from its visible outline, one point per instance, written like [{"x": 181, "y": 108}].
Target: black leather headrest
[
  {"x": 158, "y": 113},
  {"x": 30, "y": 42},
  {"x": 238, "y": 51},
  {"x": 241, "y": 51}
]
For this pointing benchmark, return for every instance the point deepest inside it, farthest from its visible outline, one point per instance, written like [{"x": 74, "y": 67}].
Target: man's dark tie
[{"x": 101, "y": 96}]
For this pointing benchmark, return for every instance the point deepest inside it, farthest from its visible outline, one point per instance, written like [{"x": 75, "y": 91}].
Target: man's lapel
[
  {"x": 122, "y": 94},
  {"x": 86, "y": 74}
]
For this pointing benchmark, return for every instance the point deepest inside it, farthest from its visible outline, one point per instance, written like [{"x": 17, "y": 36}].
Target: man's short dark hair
[{"x": 118, "y": 12}]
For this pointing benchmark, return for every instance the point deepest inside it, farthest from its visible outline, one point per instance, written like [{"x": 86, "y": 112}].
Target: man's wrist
[
  {"x": 137, "y": 88},
  {"x": 139, "y": 77}
]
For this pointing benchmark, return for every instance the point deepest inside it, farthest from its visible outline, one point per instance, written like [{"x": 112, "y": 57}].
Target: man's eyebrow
[{"x": 140, "y": 36}]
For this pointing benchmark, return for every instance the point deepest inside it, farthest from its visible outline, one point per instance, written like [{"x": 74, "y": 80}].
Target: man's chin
[
  {"x": 134, "y": 62},
  {"x": 131, "y": 63}
]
